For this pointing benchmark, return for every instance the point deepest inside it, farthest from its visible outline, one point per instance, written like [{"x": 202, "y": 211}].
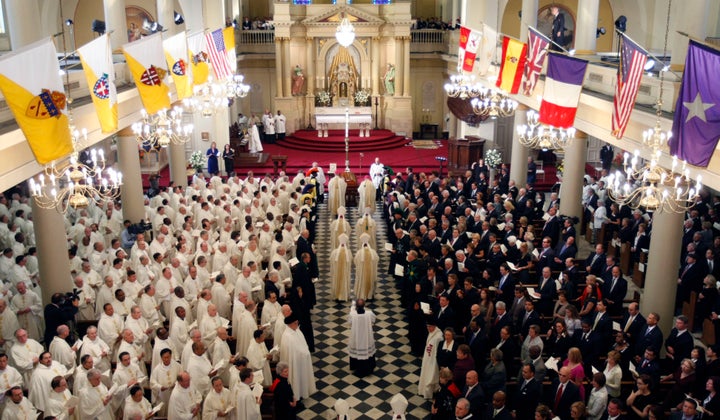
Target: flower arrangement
[
  {"x": 493, "y": 158},
  {"x": 560, "y": 167},
  {"x": 362, "y": 97},
  {"x": 323, "y": 97},
  {"x": 197, "y": 160}
]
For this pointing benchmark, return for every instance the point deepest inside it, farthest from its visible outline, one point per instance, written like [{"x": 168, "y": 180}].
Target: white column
[
  {"x": 178, "y": 167},
  {"x": 53, "y": 262},
  {"x": 406, "y": 66},
  {"x": 690, "y": 17},
  {"x": 20, "y": 14},
  {"x": 278, "y": 68},
  {"x": 399, "y": 70},
  {"x": 286, "y": 69},
  {"x": 166, "y": 16},
  {"x": 375, "y": 47},
  {"x": 131, "y": 190},
  {"x": 529, "y": 17},
  {"x": 572, "y": 185},
  {"x": 309, "y": 66},
  {"x": 115, "y": 23},
  {"x": 519, "y": 153},
  {"x": 586, "y": 26}
]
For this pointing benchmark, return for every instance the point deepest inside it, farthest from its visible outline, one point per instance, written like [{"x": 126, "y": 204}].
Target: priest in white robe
[
  {"x": 39, "y": 387},
  {"x": 295, "y": 352},
  {"x": 8, "y": 325},
  {"x": 218, "y": 402},
  {"x": 125, "y": 376},
  {"x": 25, "y": 354},
  {"x": 136, "y": 406},
  {"x": 366, "y": 225},
  {"x": 162, "y": 342},
  {"x": 57, "y": 400},
  {"x": 61, "y": 350},
  {"x": 259, "y": 358},
  {"x": 163, "y": 379},
  {"x": 179, "y": 331},
  {"x": 29, "y": 311},
  {"x": 18, "y": 407},
  {"x": 367, "y": 193},
  {"x": 220, "y": 355},
  {"x": 96, "y": 348},
  {"x": 200, "y": 368},
  {"x": 336, "y": 194},
  {"x": 220, "y": 297},
  {"x": 429, "y": 372},
  {"x": 279, "y": 327},
  {"x": 270, "y": 312},
  {"x": 338, "y": 227},
  {"x": 142, "y": 332},
  {"x": 247, "y": 405},
  {"x": 340, "y": 268},
  {"x": 185, "y": 400},
  {"x": 9, "y": 377},
  {"x": 94, "y": 398},
  {"x": 362, "y": 340},
  {"x": 366, "y": 269},
  {"x": 254, "y": 144}
]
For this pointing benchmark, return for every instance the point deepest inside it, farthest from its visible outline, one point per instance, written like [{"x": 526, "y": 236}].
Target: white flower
[
  {"x": 493, "y": 158},
  {"x": 197, "y": 160},
  {"x": 362, "y": 96}
]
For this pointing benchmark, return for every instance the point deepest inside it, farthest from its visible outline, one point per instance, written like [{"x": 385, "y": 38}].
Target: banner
[
  {"x": 96, "y": 59},
  {"x": 563, "y": 85},
  {"x": 176, "y": 56},
  {"x": 470, "y": 40},
  {"x": 30, "y": 82},
  {"x": 537, "y": 51},
  {"x": 229, "y": 38},
  {"x": 514, "y": 54},
  {"x": 488, "y": 46},
  {"x": 629, "y": 75},
  {"x": 146, "y": 61},
  {"x": 199, "y": 66},
  {"x": 218, "y": 57}
]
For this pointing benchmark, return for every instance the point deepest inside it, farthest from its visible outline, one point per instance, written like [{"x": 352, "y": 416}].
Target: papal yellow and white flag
[
  {"x": 146, "y": 61},
  {"x": 176, "y": 54},
  {"x": 31, "y": 84},
  {"x": 96, "y": 59},
  {"x": 198, "y": 58},
  {"x": 229, "y": 38}
]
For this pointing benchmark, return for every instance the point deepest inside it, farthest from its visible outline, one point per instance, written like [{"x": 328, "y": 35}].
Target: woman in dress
[
  {"x": 212, "y": 158},
  {"x": 577, "y": 371},
  {"x": 487, "y": 307},
  {"x": 447, "y": 352},
  {"x": 598, "y": 397},
  {"x": 228, "y": 155},
  {"x": 558, "y": 340},
  {"x": 613, "y": 374},
  {"x": 572, "y": 320},
  {"x": 444, "y": 400},
  {"x": 577, "y": 410},
  {"x": 685, "y": 381},
  {"x": 638, "y": 402},
  {"x": 711, "y": 403}
]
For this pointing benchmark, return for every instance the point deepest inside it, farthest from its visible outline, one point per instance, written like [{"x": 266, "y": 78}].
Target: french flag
[{"x": 563, "y": 85}]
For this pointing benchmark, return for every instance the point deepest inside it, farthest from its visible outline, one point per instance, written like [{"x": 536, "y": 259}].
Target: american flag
[
  {"x": 632, "y": 63},
  {"x": 537, "y": 51},
  {"x": 216, "y": 53}
]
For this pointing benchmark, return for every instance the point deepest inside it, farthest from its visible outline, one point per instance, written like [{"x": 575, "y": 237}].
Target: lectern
[{"x": 463, "y": 152}]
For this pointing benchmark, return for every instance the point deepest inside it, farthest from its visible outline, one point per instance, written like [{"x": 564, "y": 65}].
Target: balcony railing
[
  {"x": 429, "y": 40},
  {"x": 256, "y": 42}
]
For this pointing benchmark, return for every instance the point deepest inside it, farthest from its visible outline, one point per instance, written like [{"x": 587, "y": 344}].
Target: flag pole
[
  {"x": 651, "y": 55},
  {"x": 549, "y": 40},
  {"x": 699, "y": 41}
]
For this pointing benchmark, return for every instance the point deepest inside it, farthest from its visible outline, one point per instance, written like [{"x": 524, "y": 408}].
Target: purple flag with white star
[{"x": 696, "y": 124}]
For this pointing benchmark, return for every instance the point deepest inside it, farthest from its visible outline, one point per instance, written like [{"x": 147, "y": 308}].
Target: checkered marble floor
[{"x": 397, "y": 370}]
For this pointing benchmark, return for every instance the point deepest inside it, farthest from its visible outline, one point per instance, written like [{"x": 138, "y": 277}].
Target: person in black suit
[
  {"x": 509, "y": 349},
  {"x": 502, "y": 319},
  {"x": 589, "y": 343},
  {"x": 606, "y": 156},
  {"x": 595, "y": 261},
  {"x": 614, "y": 410},
  {"x": 547, "y": 291},
  {"x": 564, "y": 394},
  {"x": 304, "y": 245},
  {"x": 302, "y": 277},
  {"x": 477, "y": 339},
  {"x": 552, "y": 227},
  {"x": 474, "y": 393},
  {"x": 649, "y": 365},
  {"x": 650, "y": 336},
  {"x": 530, "y": 317},
  {"x": 689, "y": 279},
  {"x": 498, "y": 410},
  {"x": 558, "y": 30},
  {"x": 546, "y": 256},
  {"x": 636, "y": 322},
  {"x": 529, "y": 393},
  {"x": 602, "y": 324},
  {"x": 614, "y": 292},
  {"x": 444, "y": 314},
  {"x": 566, "y": 250},
  {"x": 679, "y": 343},
  {"x": 506, "y": 284}
]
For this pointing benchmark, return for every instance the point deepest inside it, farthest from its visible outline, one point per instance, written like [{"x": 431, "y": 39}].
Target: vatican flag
[
  {"x": 198, "y": 58},
  {"x": 176, "y": 54},
  {"x": 31, "y": 84},
  {"x": 96, "y": 59},
  {"x": 229, "y": 38},
  {"x": 146, "y": 61}
]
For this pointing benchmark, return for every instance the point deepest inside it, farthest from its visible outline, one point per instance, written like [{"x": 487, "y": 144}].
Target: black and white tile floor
[{"x": 397, "y": 370}]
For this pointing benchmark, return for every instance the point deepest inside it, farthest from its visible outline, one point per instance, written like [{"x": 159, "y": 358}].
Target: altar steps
[{"x": 308, "y": 140}]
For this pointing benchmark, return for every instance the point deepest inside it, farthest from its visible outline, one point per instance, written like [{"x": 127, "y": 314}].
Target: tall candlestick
[{"x": 347, "y": 140}]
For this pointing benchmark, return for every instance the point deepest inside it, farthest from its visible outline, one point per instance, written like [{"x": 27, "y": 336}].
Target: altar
[{"x": 334, "y": 116}]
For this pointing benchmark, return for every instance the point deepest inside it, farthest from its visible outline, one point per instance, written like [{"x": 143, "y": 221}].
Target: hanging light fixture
[
  {"x": 345, "y": 33},
  {"x": 235, "y": 88},
  {"x": 645, "y": 183},
  {"x": 162, "y": 128},
  {"x": 76, "y": 183},
  {"x": 539, "y": 136},
  {"x": 208, "y": 99},
  {"x": 462, "y": 86},
  {"x": 493, "y": 103}
]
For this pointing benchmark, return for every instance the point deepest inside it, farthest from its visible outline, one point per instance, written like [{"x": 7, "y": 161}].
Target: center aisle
[{"x": 397, "y": 370}]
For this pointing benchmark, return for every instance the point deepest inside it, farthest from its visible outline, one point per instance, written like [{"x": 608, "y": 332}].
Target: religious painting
[{"x": 134, "y": 18}]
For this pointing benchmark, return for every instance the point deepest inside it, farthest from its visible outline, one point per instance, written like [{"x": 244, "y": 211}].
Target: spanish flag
[
  {"x": 96, "y": 59},
  {"x": 198, "y": 58},
  {"x": 514, "y": 55},
  {"x": 229, "y": 38},
  {"x": 146, "y": 61},
  {"x": 31, "y": 84},
  {"x": 176, "y": 54}
]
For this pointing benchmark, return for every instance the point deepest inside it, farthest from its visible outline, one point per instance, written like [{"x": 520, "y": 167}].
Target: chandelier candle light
[
  {"x": 162, "y": 128},
  {"x": 538, "y": 136},
  {"x": 345, "y": 33}
]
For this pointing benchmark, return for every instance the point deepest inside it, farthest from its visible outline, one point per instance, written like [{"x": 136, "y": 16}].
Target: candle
[{"x": 347, "y": 122}]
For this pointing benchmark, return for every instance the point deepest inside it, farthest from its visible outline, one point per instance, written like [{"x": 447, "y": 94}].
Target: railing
[
  {"x": 429, "y": 40},
  {"x": 257, "y": 37}
]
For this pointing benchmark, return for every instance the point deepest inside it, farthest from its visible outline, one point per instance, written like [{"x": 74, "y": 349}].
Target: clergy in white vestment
[
  {"x": 132, "y": 288},
  {"x": 338, "y": 227},
  {"x": 218, "y": 402},
  {"x": 221, "y": 356},
  {"x": 106, "y": 294},
  {"x": 39, "y": 387},
  {"x": 9, "y": 377},
  {"x": 86, "y": 300},
  {"x": 179, "y": 331},
  {"x": 94, "y": 398},
  {"x": 141, "y": 332},
  {"x": 125, "y": 376},
  {"x": 187, "y": 352},
  {"x": 247, "y": 405},
  {"x": 61, "y": 350},
  {"x": 200, "y": 368},
  {"x": 29, "y": 311},
  {"x": 399, "y": 405},
  {"x": 25, "y": 354},
  {"x": 245, "y": 328},
  {"x": 367, "y": 193},
  {"x": 270, "y": 312},
  {"x": 150, "y": 307},
  {"x": 18, "y": 407},
  {"x": 162, "y": 380},
  {"x": 184, "y": 403},
  {"x": 8, "y": 325},
  {"x": 96, "y": 348},
  {"x": 362, "y": 340},
  {"x": 366, "y": 225},
  {"x": 220, "y": 296},
  {"x": 295, "y": 352},
  {"x": 162, "y": 342},
  {"x": 121, "y": 304},
  {"x": 136, "y": 406},
  {"x": 128, "y": 345},
  {"x": 80, "y": 377},
  {"x": 429, "y": 373},
  {"x": 336, "y": 194},
  {"x": 259, "y": 358},
  {"x": 203, "y": 302},
  {"x": 59, "y": 395},
  {"x": 254, "y": 144},
  {"x": 178, "y": 298},
  {"x": 366, "y": 269},
  {"x": 279, "y": 327},
  {"x": 340, "y": 267},
  {"x": 210, "y": 323}
]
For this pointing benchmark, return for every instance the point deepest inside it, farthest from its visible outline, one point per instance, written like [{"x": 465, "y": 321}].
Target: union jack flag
[
  {"x": 216, "y": 53},
  {"x": 537, "y": 51},
  {"x": 632, "y": 64}
]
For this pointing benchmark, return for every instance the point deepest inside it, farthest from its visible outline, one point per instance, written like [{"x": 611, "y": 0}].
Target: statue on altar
[
  {"x": 389, "y": 80},
  {"x": 298, "y": 81},
  {"x": 343, "y": 78}
]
